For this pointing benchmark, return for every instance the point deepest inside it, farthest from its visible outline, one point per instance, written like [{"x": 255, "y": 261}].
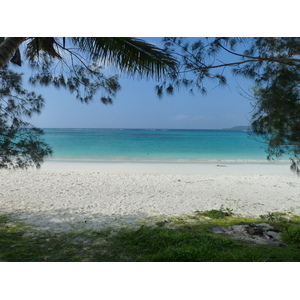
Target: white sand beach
[{"x": 64, "y": 195}]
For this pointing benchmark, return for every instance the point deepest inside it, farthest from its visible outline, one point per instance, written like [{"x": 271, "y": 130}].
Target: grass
[{"x": 177, "y": 239}]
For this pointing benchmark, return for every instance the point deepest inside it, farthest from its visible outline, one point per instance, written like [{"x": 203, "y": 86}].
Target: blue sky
[{"x": 137, "y": 106}]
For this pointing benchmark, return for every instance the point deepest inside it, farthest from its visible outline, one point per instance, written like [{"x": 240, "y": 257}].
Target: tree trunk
[{"x": 7, "y": 49}]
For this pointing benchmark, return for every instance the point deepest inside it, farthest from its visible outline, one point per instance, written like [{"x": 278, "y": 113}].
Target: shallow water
[{"x": 156, "y": 145}]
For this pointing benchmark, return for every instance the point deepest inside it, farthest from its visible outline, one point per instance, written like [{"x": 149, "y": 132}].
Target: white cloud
[
  {"x": 198, "y": 118},
  {"x": 180, "y": 117}
]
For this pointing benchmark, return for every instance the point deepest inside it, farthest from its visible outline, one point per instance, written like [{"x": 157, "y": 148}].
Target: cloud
[
  {"x": 180, "y": 117},
  {"x": 198, "y": 118}
]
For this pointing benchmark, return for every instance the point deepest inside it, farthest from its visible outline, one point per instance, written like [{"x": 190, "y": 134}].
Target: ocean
[{"x": 153, "y": 145}]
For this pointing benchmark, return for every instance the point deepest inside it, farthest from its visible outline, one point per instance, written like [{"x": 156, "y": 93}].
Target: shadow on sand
[{"x": 65, "y": 220}]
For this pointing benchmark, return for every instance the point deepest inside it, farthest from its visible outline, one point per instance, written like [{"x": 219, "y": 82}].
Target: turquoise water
[{"x": 153, "y": 145}]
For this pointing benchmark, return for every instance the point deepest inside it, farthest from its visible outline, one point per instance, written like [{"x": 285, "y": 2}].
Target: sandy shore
[{"x": 95, "y": 195}]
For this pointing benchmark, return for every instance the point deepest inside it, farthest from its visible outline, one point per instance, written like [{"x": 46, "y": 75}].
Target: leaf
[
  {"x": 38, "y": 44},
  {"x": 16, "y": 59},
  {"x": 130, "y": 55}
]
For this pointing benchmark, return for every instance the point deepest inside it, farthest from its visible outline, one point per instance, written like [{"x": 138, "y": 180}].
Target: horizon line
[{"x": 145, "y": 128}]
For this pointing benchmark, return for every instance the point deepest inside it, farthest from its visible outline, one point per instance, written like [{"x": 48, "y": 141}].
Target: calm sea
[{"x": 155, "y": 145}]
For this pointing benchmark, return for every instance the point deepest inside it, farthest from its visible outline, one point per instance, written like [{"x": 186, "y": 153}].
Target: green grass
[{"x": 177, "y": 239}]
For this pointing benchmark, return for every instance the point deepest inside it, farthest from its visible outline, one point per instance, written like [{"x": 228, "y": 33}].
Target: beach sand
[{"x": 61, "y": 195}]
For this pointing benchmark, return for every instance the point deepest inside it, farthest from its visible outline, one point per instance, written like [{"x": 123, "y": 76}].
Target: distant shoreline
[
  {"x": 242, "y": 128},
  {"x": 145, "y": 129}
]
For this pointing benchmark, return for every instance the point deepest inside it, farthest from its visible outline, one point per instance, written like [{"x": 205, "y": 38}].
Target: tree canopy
[
  {"x": 273, "y": 63},
  {"x": 20, "y": 142},
  {"x": 78, "y": 63}
]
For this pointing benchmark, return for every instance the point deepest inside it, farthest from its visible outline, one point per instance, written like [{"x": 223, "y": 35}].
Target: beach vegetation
[
  {"x": 21, "y": 144},
  {"x": 274, "y": 216},
  {"x": 176, "y": 241},
  {"x": 273, "y": 65},
  {"x": 216, "y": 213}
]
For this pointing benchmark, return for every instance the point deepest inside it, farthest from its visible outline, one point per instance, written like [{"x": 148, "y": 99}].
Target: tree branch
[{"x": 282, "y": 60}]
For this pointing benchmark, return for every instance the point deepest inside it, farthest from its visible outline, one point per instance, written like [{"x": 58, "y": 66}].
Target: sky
[{"x": 138, "y": 106}]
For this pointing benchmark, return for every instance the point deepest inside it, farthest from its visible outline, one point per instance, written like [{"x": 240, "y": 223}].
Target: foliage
[
  {"x": 274, "y": 66},
  {"x": 216, "y": 213},
  {"x": 21, "y": 144},
  {"x": 274, "y": 216},
  {"x": 77, "y": 63},
  {"x": 132, "y": 56},
  {"x": 84, "y": 81},
  {"x": 291, "y": 233},
  {"x": 277, "y": 113}
]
